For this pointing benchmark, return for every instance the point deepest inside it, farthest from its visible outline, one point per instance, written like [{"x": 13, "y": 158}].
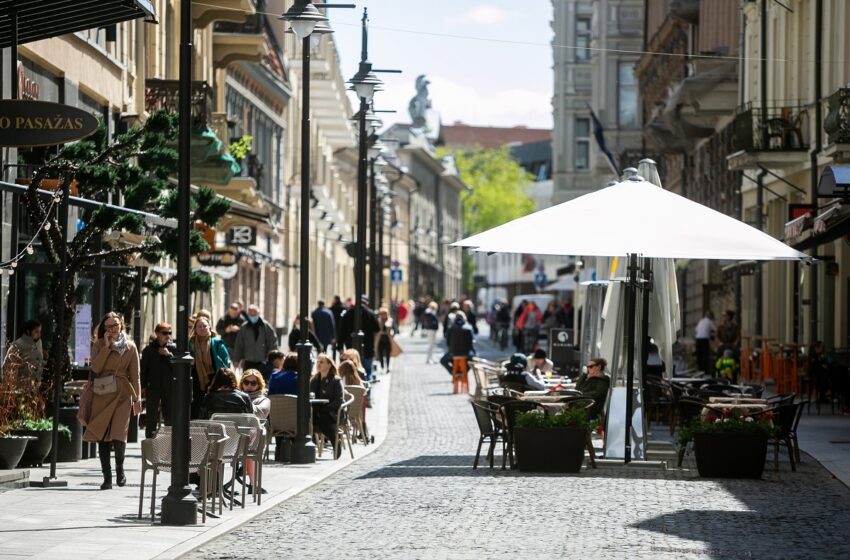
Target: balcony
[
  {"x": 164, "y": 94},
  {"x": 836, "y": 126},
  {"x": 778, "y": 141},
  {"x": 208, "y": 11}
]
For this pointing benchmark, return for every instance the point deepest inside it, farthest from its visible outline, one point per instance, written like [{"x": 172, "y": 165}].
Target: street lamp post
[
  {"x": 373, "y": 233},
  {"x": 304, "y": 19},
  {"x": 364, "y": 83},
  {"x": 179, "y": 507}
]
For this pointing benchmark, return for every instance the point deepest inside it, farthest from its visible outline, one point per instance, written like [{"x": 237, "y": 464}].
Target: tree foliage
[
  {"x": 496, "y": 196},
  {"x": 132, "y": 171}
]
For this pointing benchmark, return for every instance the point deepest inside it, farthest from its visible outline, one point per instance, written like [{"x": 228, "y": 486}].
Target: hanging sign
[
  {"x": 217, "y": 258},
  {"x": 242, "y": 236},
  {"x": 43, "y": 123}
]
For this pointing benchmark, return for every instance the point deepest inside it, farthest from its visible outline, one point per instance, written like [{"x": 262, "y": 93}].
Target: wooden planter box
[
  {"x": 550, "y": 449},
  {"x": 730, "y": 455}
]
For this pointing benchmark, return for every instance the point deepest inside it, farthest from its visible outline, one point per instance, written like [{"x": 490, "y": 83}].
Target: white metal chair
[
  {"x": 356, "y": 414},
  {"x": 156, "y": 456},
  {"x": 254, "y": 448}
]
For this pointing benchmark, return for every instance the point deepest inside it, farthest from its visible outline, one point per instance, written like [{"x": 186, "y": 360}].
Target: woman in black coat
[{"x": 326, "y": 385}]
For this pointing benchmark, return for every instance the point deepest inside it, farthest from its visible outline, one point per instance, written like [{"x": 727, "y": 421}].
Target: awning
[
  {"x": 829, "y": 225},
  {"x": 795, "y": 227},
  {"x": 150, "y": 219},
  {"x": 42, "y": 19}
]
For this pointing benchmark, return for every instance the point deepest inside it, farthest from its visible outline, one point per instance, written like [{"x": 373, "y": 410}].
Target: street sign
[
  {"x": 396, "y": 264},
  {"x": 42, "y": 123},
  {"x": 395, "y": 275},
  {"x": 540, "y": 279},
  {"x": 241, "y": 236}
]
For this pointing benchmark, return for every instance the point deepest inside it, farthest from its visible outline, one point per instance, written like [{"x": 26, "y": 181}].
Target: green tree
[
  {"x": 136, "y": 166},
  {"x": 496, "y": 196}
]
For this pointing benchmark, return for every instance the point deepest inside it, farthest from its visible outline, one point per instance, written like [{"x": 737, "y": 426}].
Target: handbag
[
  {"x": 105, "y": 385},
  {"x": 86, "y": 398},
  {"x": 395, "y": 349}
]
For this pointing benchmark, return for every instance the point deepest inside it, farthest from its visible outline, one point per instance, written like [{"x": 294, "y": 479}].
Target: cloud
[
  {"x": 473, "y": 105},
  {"x": 482, "y": 14}
]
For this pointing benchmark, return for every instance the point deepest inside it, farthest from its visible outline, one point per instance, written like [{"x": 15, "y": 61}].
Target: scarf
[
  {"x": 120, "y": 344},
  {"x": 203, "y": 361}
]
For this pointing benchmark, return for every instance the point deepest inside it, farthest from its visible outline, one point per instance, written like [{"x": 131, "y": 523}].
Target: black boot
[
  {"x": 120, "y": 449},
  {"x": 105, "y": 466}
]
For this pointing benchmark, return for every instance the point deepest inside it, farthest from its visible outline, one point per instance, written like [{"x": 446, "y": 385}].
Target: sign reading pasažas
[{"x": 42, "y": 123}]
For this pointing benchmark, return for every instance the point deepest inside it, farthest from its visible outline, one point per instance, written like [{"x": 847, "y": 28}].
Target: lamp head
[{"x": 303, "y": 17}]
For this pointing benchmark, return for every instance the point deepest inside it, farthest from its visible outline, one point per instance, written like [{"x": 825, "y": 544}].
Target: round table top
[{"x": 319, "y": 401}]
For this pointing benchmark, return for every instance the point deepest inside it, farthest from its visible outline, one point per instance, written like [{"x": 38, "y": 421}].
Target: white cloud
[
  {"x": 470, "y": 104},
  {"x": 482, "y": 14}
]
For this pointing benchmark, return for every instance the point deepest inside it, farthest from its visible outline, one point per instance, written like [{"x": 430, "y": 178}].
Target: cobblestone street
[{"x": 418, "y": 497}]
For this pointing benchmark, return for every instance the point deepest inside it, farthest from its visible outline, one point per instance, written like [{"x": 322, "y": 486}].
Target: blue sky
[{"x": 489, "y": 62}]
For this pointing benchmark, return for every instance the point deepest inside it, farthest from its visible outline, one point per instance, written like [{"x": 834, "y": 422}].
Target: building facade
[{"x": 596, "y": 45}]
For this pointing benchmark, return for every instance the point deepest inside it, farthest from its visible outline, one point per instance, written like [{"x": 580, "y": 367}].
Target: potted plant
[
  {"x": 731, "y": 445},
  {"x": 551, "y": 443},
  {"x": 11, "y": 446},
  {"x": 41, "y": 433}
]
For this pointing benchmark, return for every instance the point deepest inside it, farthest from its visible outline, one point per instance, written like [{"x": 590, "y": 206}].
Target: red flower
[{"x": 710, "y": 418}]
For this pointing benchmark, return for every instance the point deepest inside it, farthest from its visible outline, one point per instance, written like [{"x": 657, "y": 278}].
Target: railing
[
  {"x": 164, "y": 94},
  {"x": 836, "y": 124},
  {"x": 785, "y": 129}
]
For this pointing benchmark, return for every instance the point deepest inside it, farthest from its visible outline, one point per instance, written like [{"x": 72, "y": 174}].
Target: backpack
[{"x": 430, "y": 321}]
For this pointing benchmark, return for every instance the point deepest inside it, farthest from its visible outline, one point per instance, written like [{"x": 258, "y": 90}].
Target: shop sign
[
  {"x": 241, "y": 236},
  {"x": 42, "y": 123},
  {"x": 222, "y": 257}
]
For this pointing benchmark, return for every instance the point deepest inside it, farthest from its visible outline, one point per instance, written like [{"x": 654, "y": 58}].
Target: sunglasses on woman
[{"x": 253, "y": 382}]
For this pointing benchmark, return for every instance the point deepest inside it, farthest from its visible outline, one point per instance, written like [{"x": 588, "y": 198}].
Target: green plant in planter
[
  {"x": 732, "y": 420},
  {"x": 42, "y": 425},
  {"x": 574, "y": 417}
]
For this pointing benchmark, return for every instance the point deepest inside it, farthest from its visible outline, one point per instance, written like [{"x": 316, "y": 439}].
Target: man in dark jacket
[
  {"x": 460, "y": 341},
  {"x": 369, "y": 326},
  {"x": 155, "y": 378},
  {"x": 228, "y": 326},
  {"x": 255, "y": 340},
  {"x": 324, "y": 325}
]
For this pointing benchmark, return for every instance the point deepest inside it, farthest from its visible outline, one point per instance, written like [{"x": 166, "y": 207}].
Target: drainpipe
[
  {"x": 759, "y": 270},
  {"x": 813, "y": 156},
  {"x": 763, "y": 80}
]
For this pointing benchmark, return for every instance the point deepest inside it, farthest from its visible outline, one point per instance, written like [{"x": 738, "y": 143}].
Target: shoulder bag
[{"x": 105, "y": 384}]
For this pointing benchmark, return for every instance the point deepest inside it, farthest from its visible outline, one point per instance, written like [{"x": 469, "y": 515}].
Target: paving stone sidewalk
[
  {"x": 84, "y": 521},
  {"x": 418, "y": 497}
]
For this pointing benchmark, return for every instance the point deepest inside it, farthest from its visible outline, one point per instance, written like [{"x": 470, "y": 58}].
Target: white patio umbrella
[{"x": 633, "y": 217}]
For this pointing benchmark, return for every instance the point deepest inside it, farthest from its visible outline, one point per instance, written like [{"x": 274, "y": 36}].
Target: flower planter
[
  {"x": 730, "y": 455},
  {"x": 11, "y": 450},
  {"x": 40, "y": 443},
  {"x": 550, "y": 449},
  {"x": 70, "y": 450}
]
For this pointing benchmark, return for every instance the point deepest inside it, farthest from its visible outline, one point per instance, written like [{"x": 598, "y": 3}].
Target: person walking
[
  {"x": 529, "y": 324},
  {"x": 156, "y": 378},
  {"x": 210, "y": 355},
  {"x": 25, "y": 354},
  {"x": 460, "y": 341},
  {"x": 117, "y": 392},
  {"x": 369, "y": 326},
  {"x": 337, "y": 308},
  {"x": 324, "y": 325},
  {"x": 295, "y": 335},
  {"x": 384, "y": 342},
  {"x": 228, "y": 327},
  {"x": 704, "y": 335},
  {"x": 255, "y": 340},
  {"x": 430, "y": 323}
]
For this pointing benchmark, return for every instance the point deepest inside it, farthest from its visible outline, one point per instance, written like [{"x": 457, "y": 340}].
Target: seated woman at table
[
  {"x": 253, "y": 385},
  {"x": 539, "y": 364},
  {"x": 594, "y": 384},
  {"x": 353, "y": 356},
  {"x": 224, "y": 397},
  {"x": 518, "y": 376},
  {"x": 348, "y": 373},
  {"x": 284, "y": 378},
  {"x": 326, "y": 385}
]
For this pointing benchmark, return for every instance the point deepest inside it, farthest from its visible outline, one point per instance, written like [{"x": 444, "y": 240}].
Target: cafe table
[
  {"x": 737, "y": 400},
  {"x": 745, "y": 408}
]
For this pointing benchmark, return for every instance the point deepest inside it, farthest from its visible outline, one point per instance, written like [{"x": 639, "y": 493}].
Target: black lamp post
[
  {"x": 363, "y": 83},
  {"x": 179, "y": 507},
  {"x": 304, "y": 19}
]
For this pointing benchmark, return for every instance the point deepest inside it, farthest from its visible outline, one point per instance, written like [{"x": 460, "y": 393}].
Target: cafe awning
[{"x": 42, "y": 19}]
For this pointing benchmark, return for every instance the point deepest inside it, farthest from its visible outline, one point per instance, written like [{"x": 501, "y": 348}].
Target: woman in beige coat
[{"x": 115, "y": 374}]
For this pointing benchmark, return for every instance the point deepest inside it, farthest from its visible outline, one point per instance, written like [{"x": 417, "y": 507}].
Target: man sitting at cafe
[
  {"x": 518, "y": 377},
  {"x": 594, "y": 384},
  {"x": 539, "y": 364}
]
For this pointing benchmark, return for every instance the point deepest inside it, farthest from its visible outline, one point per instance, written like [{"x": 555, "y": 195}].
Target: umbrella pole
[{"x": 629, "y": 341}]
